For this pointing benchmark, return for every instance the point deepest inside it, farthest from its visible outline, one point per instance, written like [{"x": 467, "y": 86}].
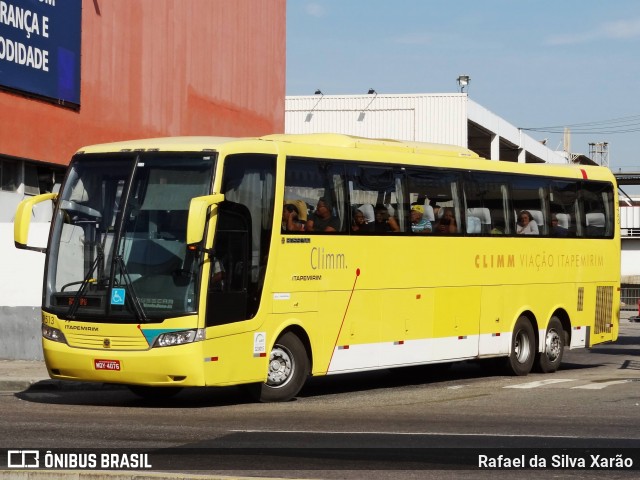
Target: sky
[{"x": 535, "y": 63}]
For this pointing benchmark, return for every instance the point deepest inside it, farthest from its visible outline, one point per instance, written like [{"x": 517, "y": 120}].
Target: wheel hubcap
[
  {"x": 281, "y": 367},
  {"x": 522, "y": 347},
  {"x": 552, "y": 345}
]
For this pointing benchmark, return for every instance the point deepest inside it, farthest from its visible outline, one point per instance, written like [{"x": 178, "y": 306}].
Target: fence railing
[
  {"x": 629, "y": 297},
  {"x": 629, "y": 232}
]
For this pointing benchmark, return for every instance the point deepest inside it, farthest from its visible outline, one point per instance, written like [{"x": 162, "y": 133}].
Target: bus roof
[
  {"x": 319, "y": 139},
  {"x": 350, "y": 141},
  {"x": 464, "y": 158},
  {"x": 161, "y": 144}
]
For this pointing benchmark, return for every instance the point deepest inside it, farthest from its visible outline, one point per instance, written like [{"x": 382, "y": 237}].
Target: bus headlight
[
  {"x": 170, "y": 339},
  {"x": 53, "y": 334}
]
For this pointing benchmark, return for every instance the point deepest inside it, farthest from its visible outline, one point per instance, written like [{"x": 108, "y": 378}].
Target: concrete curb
[{"x": 15, "y": 385}]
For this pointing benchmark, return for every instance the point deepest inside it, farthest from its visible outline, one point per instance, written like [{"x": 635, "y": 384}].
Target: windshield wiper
[
  {"x": 135, "y": 300},
  {"x": 85, "y": 283}
]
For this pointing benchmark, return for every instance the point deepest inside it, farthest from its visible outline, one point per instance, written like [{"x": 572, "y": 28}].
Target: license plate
[{"x": 107, "y": 364}]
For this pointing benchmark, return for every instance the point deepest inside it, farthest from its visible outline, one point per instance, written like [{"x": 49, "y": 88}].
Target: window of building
[{"x": 9, "y": 175}]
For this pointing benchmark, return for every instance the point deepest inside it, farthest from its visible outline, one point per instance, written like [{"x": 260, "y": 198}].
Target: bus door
[
  {"x": 228, "y": 294},
  {"x": 242, "y": 239}
]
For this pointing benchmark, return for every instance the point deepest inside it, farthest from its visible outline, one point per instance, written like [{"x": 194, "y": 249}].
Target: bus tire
[
  {"x": 523, "y": 348},
  {"x": 554, "y": 343},
  {"x": 287, "y": 371}
]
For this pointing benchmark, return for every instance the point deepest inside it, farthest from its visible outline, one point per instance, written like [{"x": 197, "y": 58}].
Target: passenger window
[
  {"x": 376, "y": 197},
  {"x": 597, "y": 204},
  {"x": 528, "y": 194},
  {"x": 435, "y": 191},
  {"x": 486, "y": 204},
  {"x": 317, "y": 186},
  {"x": 563, "y": 204}
]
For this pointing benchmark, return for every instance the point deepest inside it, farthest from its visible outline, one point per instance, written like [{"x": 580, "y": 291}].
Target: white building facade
[{"x": 449, "y": 118}]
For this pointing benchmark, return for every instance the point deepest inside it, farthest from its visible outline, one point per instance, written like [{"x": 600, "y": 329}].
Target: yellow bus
[{"x": 203, "y": 261}]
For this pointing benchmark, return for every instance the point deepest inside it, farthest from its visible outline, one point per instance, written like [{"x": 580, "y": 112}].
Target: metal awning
[{"x": 627, "y": 178}]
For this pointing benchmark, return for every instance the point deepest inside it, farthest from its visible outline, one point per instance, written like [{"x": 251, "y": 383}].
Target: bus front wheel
[
  {"x": 523, "y": 349},
  {"x": 554, "y": 342},
  {"x": 287, "y": 371}
]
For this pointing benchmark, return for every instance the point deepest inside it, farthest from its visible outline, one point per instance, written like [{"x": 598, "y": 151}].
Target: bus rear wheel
[
  {"x": 523, "y": 351},
  {"x": 554, "y": 343},
  {"x": 288, "y": 370}
]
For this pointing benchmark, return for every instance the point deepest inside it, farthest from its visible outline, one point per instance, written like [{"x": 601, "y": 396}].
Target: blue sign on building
[{"x": 40, "y": 48}]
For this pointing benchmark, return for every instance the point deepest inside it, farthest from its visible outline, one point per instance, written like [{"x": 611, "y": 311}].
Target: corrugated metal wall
[
  {"x": 161, "y": 67},
  {"x": 629, "y": 217},
  {"x": 438, "y": 118}
]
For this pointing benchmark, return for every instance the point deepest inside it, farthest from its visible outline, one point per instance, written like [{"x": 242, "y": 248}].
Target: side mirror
[
  {"x": 22, "y": 221},
  {"x": 197, "y": 219}
]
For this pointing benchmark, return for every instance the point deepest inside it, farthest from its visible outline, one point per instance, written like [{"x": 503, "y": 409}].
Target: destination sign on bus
[{"x": 82, "y": 301}]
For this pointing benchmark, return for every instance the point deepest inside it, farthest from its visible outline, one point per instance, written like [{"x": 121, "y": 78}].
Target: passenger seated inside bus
[
  {"x": 360, "y": 224},
  {"x": 369, "y": 215},
  {"x": 526, "y": 224},
  {"x": 446, "y": 225},
  {"x": 385, "y": 223},
  {"x": 322, "y": 219},
  {"x": 419, "y": 224},
  {"x": 217, "y": 275},
  {"x": 292, "y": 219},
  {"x": 557, "y": 230},
  {"x": 429, "y": 214}
]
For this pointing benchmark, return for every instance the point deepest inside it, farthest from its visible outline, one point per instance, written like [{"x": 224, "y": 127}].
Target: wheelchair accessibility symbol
[{"x": 117, "y": 296}]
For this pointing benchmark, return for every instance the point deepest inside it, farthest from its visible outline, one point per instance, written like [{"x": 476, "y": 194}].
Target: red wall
[{"x": 161, "y": 67}]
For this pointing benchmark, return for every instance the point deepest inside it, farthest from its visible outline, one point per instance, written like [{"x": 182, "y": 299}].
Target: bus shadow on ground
[
  {"x": 406, "y": 376},
  {"x": 99, "y": 394},
  {"x": 621, "y": 346},
  {"x": 604, "y": 350},
  {"x": 111, "y": 395}
]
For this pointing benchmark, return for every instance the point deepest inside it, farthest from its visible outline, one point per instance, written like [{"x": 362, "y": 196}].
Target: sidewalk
[{"x": 18, "y": 375}]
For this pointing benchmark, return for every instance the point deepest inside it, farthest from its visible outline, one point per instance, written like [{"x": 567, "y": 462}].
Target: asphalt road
[{"x": 413, "y": 422}]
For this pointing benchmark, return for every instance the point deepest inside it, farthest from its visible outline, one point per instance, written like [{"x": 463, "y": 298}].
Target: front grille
[{"x": 137, "y": 342}]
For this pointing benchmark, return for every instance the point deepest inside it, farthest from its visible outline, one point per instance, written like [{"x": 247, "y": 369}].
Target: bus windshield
[{"x": 118, "y": 243}]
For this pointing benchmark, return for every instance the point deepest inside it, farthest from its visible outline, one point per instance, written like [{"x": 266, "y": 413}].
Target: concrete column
[
  {"x": 495, "y": 147},
  {"x": 522, "y": 155}
]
